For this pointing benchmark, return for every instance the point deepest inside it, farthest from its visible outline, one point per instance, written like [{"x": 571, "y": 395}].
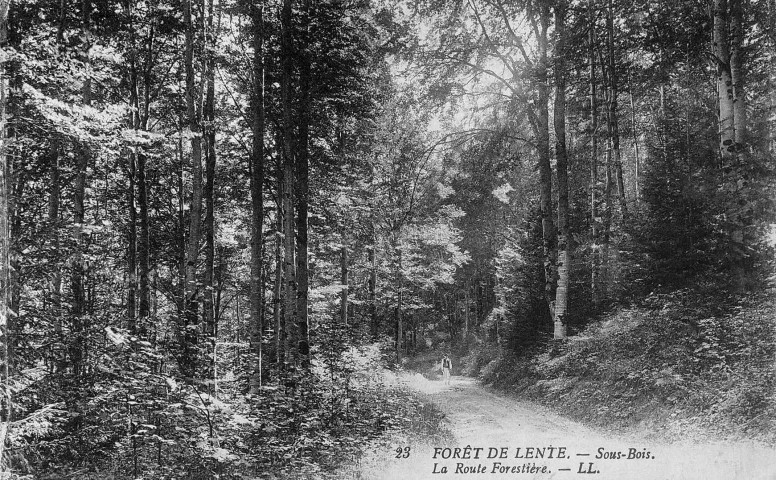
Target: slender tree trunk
[
  {"x": 53, "y": 217},
  {"x": 344, "y": 281},
  {"x": 143, "y": 248},
  {"x": 637, "y": 179},
  {"x": 736, "y": 73},
  {"x": 614, "y": 128},
  {"x": 180, "y": 332},
  {"x": 771, "y": 79},
  {"x": 559, "y": 120},
  {"x": 277, "y": 303},
  {"x": 5, "y": 247},
  {"x": 132, "y": 176},
  {"x": 188, "y": 361},
  {"x": 143, "y": 242},
  {"x": 372, "y": 288},
  {"x": 78, "y": 306},
  {"x": 133, "y": 123},
  {"x": 289, "y": 257},
  {"x": 302, "y": 194},
  {"x": 594, "y": 220},
  {"x": 724, "y": 81},
  {"x": 257, "y": 196},
  {"x": 465, "y": 310},
  {"x": 399, "y": 306},
  {"x": 209, "y": 138},
  {"x": 132, "y": 245},
  {"x": 545, "y": 170},
  {"x": 140, "y": 243},
  {"x": 14, "y": 326}
]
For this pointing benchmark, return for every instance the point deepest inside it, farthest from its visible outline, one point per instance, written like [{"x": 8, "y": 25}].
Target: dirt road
[{"x": 510, "y": 439}]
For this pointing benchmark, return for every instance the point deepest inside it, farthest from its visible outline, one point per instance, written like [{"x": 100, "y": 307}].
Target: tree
[
  {"x": 188, "y": 333},
  {"x": 561, "y": 157},
  {"x": 257, "y": 195},
  {"x": 5, "y": 246}
]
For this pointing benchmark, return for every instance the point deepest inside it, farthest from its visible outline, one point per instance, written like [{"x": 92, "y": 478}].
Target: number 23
[{"x": 403, "y": 452}]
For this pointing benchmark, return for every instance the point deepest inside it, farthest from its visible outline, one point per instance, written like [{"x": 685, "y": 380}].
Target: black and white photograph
[{"x": 387, "y": 239}]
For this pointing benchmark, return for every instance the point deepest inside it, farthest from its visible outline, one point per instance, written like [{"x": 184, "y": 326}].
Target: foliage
[
  {"x": 674, "y": 364},
  {"x": 415, "y": 140}
]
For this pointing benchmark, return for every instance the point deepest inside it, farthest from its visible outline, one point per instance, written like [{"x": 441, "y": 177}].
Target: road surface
[{"x": 512, "y": 439}]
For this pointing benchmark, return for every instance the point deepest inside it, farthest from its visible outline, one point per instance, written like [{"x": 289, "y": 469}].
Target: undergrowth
[
  {"x": 675, "y": 365},
  {"x": 304, "y": 427}
]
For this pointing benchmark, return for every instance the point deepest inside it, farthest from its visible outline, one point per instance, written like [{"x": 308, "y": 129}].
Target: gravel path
[{"x": 521, "y": 440}]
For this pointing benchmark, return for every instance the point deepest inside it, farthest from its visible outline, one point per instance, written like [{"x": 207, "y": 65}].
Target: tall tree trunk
[
  {"x": 736, "y": 73},
  {"x": 277, "y": 293},
  {"x": 131, "y": 174},
  {"x": 344, "y": 281},
  {"x": 19, "y": 175},
  {"x": 53, "y": 218},
  {"x": 637, "y": 173},
  {"x": 5, "y": 246},
  {"x": 559, "y": 120},
  {"x": 209, "y": 138},
  {"x": 289, "y": 257},
  {"x": 594, "y": 221},
  {"x": 141, "y": 242},
  {"x": 724, "y": 81},
  {"x": 257, "y": 196},
  {"x": 399, "y": 304},
  {"x": 614, "y": 128},
  {"x": 545, "y": 170},
  {"x": 191, "y": 305},
  {"x": 181, "y": 305},
  {"x": 132, "y": 245},
  {"x": 78, "y": 306},
  {"x": 143, "y": 248},
  {"x": 302, "y": 194},
  {"x": 372, "y": 288}
]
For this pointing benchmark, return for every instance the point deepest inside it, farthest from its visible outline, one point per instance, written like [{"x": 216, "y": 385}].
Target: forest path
[{"x": 481, "y": 418}]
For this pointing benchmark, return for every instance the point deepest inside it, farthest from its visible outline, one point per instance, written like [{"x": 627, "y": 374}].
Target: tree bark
[
  {"x": 139, "y": 238},
  {"x": 637, "y": 173},
  {"x": 209, "y": 138},
  {"x": 191, "y": 306},
  {"x": 737, "y": 74},
  {"x": 257, "y": 196},
  {"x": 277, "y": 293},
  {"x": 302, "y": 194},
  {"x": 289, "y": 257},
  {"x": 131, "y": 174},
  {"x": 399, "y": 306},
  {"x": 5, "y": 244},
  {"x": 561, "y": 157},
  {"x": 132, "y": 245},
  {"x": 344, "y": 281},
  {"x": 613, "y": 120},
  {"x": 143, "y": 249},
  {"x": 465, "y": 310},
  {"x": 78, "y": 306},
  {"x": 724, "y": 81},
  {"x": 549, "y": 243},
  {"x": 594, "y": 220},
  {"x": 372, "y": 288},
  {"x": 53, "y": 218}
]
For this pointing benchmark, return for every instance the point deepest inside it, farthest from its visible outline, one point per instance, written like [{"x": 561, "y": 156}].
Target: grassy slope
[{"x": 673, "y": 366}]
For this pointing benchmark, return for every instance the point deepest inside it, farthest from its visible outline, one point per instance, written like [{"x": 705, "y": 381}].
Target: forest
[{"x": 227, "y": 227}]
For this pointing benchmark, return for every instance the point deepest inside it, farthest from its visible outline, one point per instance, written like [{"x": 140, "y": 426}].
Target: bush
[{"x": 673, "y": 363}]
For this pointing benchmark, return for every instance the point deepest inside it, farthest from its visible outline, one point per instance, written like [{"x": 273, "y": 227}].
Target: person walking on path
[{"x": 447, "y": 365}]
